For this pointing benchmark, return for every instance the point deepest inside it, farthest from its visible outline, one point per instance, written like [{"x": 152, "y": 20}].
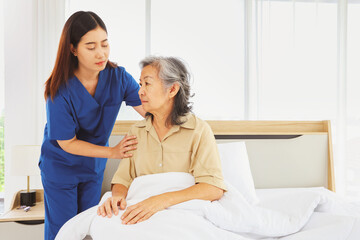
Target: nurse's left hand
[{"x": 144, "y": 210}]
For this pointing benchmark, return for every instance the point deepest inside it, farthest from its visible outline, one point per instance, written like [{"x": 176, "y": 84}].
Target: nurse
[{"x": 83, "y": 97}]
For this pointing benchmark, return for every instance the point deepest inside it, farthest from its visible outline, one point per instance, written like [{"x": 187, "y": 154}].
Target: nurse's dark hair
[
  {"x": 172, "y": 70},
  {"x": 66, "y": 63}
]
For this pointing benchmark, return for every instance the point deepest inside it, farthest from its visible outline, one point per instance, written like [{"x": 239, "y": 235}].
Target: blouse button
[{"x": 160, "y": 165}]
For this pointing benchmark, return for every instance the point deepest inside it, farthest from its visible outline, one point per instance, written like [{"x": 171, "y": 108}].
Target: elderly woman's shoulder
[
  {"x": 138, "y": 125},
  {"x": 199, "y": 124}
]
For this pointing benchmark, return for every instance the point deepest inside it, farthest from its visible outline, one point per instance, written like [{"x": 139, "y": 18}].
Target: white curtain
[
  {"x": 31, "y": 35},
  {"x": 306, "y": 57}
]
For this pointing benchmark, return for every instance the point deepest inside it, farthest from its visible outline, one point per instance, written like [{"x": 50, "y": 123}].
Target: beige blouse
[{"x": 189, "y": 147}]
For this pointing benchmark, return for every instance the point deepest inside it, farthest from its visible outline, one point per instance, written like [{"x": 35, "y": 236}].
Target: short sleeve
[
  {"x": 60, "y": 120},
  {"x": 131, "y": 95},
  {"x": 206, "y": 165},
  {"x": 125, "y": 173}
]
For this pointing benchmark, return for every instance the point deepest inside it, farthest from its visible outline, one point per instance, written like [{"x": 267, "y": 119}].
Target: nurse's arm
[
  {"x": 140, "y": 110},
  {"x": 83, "y": 148}
]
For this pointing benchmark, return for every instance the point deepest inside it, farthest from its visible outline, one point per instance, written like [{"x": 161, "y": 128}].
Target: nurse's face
[
  {"x": 93, "y": 50},
  {"x": 153, "y": 95}
]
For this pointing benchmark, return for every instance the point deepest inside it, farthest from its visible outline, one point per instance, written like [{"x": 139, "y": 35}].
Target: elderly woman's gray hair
[{"x": 173, "y": 70}]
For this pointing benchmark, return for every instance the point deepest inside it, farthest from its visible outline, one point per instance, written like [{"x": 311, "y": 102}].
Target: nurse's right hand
[
  {"x": 111, "y": 205},
  {"x": 120, "y": 151}
]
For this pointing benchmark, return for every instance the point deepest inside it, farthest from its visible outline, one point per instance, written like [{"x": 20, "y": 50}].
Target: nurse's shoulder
[
  {"x": 61, "y": 97},
  {"x": 118, "y": 75}
]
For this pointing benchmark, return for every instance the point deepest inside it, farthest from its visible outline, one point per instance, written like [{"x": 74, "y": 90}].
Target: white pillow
[{"x": 236, "y": 169}]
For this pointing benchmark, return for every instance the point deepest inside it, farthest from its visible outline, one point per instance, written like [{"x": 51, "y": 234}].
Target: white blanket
[{"x": 229, "y": 218}]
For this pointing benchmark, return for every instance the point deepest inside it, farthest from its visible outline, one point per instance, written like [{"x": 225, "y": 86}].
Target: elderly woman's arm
[
  {"x": 145, "y": 209},
  {"x": 206, "y": 169}
]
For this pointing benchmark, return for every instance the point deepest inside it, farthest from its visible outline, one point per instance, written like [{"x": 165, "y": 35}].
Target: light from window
[{"x": 297, "y": 60}]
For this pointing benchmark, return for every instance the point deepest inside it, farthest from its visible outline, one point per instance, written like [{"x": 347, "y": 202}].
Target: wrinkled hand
[
  {"x": 111, "y": 205},
  {"x": 128, "y": 143},
  {"x": 144, "y": 210}
]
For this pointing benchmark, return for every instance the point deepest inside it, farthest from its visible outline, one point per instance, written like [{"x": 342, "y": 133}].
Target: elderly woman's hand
[
  {"x": 144, "y": 210},
  {"x": 111, "y": 205}
]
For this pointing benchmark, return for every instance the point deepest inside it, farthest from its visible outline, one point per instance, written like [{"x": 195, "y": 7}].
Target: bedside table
[{"x": 18, "y": 224}]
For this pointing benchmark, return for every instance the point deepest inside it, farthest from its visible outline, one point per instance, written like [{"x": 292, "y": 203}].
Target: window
[
  {"x": 297, "y": 44},
  {"x": 298, "y": 74}
]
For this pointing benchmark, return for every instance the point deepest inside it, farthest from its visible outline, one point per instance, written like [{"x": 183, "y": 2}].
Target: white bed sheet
[
  {"x": 337, "y": 220},
  {"x": 317, "y": 212}
]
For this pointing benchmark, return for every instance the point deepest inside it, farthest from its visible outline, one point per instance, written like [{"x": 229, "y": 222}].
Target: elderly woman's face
[{"x": 153, "y": 95}]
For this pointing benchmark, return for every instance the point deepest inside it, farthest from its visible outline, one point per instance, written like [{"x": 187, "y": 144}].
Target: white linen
[
  {"x": 326, "y": 226},
  {"x": 236, "y": 169},
  {"x": 196, "y": 219},
  {"x": 182, "y": 221},
  {"x": 331, "y": 202},
  {"x": 336, "y": 219}
]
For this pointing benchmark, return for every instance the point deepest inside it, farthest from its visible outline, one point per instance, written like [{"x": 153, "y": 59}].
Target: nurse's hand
[
  {"x": 111, "y": 205},
  {"x": 128, "y": 143}
]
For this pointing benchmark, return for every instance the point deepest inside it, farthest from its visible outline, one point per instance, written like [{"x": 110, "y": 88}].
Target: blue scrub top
[{"x": 75, "y": 112}]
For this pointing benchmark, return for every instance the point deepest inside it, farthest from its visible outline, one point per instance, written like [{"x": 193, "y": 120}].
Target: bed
[{"x": 281, "y": 180}]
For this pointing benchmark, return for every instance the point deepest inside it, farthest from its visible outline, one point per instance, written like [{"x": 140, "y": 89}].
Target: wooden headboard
[{"x": 281, "y": 153}]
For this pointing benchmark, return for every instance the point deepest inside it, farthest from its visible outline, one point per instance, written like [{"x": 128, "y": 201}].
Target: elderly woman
[{"x": 170, "y": 139}]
